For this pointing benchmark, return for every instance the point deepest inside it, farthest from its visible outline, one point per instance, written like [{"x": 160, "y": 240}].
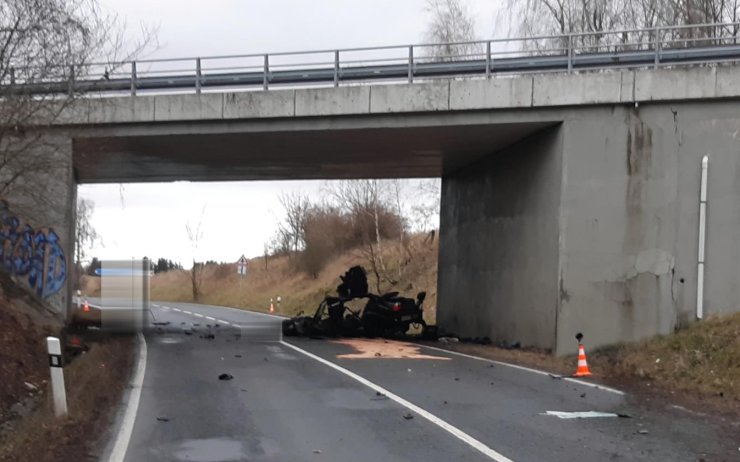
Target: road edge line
[
  {"x": 118, "y": 453},
  {"x": 528, "y": 369},
  {"x": 461, "y": 435}
]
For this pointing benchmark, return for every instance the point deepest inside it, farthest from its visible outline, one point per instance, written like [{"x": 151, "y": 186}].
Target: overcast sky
[{"x": 137, "y": 220}]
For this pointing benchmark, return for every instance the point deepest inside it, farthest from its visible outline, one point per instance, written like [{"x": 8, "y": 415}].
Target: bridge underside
[{"x": 215, "y": 155}]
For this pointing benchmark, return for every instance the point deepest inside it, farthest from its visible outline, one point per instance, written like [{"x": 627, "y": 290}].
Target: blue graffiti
[{"x": 34, "y": 254}]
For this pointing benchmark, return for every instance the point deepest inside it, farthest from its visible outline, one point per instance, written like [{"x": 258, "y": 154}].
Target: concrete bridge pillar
[{"x": 37, "y": 216}]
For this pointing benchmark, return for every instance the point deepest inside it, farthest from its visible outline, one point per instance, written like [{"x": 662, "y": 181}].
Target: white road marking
[
  {"x": 187, "y": 312},
  {"x": 528, "y": 369},
  {"x": 118, "y": 453},
  {"x": 579, "y": 415},
  {"x": 211, "y": 318},
  {"x": 224, "y": 322},
  {"x": 198, "y": 314},
  {"x": 177, "y": 309},
  {"x": 472, "y": 442},
  {"x": 155, "y": 305}
]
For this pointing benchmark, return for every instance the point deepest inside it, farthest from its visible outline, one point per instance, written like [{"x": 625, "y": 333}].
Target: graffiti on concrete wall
[{"x": 33, "y": 255}]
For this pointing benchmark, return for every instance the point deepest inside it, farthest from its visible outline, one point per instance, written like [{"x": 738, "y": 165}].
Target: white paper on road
[{"x": 580, "y": 415}]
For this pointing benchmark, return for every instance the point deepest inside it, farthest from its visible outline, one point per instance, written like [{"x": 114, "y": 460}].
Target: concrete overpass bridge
[{"x": 570, "y": 200}]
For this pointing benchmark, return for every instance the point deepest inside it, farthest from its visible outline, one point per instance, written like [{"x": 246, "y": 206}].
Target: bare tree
[
  {"x": 370, "y": 205},
  {"x": 195, "y": 235},
  {"x": 41, "y": 42},
  {"x": 450, "y": 21},
  {"x": 296, "y": 207},
  {"x": 85, "y": 234},
  {"x": 534, "y": 18}
]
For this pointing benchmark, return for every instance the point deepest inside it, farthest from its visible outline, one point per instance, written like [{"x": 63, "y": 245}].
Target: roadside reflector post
[{"x": 57, "y": 376}]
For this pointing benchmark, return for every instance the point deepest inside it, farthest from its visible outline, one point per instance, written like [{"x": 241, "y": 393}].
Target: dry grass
[
  {"x": 300, "y": 292},
  {"x": 94, "y": 383},
  {"x": 698, "y": 367}
]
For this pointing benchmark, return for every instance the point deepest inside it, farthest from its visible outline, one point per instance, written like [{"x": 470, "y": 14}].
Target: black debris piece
[
  {"x": 163, "y": 419},
  {"x": 408, "y": 416},
  {"x": 208, "y": 336},
  {"x": 161, "y": 323},
  {"x": 225, "y": 376},
  {"x": 388, "y": 315},
  {"x": 237, "y": 356}
]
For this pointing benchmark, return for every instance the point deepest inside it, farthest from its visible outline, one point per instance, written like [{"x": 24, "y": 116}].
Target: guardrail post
[
  {"x": 71, "y": 79},
  {"x": 657, "y": 47},
  {"x": 570, "y": 53},
  {"x": 266, "y": 73},
  {"x": 488, "y": 58},
  {"x": 336, "y": 68},
  {"x": 54, "y": 348},
  {"x": 411, "y": 64},
  {"x": 133, "y": 78},
  {"x": 197, "y": 76}
]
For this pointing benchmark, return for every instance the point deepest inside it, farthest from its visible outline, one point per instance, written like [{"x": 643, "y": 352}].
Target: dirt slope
[{"x": 299, "y": 291}]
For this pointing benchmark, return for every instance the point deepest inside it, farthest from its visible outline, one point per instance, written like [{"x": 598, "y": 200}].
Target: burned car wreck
[{"x": 387, "y": 315}]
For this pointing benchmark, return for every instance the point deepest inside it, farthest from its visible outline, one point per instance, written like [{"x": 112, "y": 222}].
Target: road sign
[{"x": 241, "y": 266}]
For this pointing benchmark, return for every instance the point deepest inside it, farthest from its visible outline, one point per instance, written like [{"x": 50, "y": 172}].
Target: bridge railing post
[
  {"x": 657, "y": 46},
  {"x": 411, "y": 64},
  {"x": 71, "y": 79},
  {"x": 488, "y": 59},
  {"x": 197, "y": 76},
  {"x": 266, "y": 73},
  {"x": 336, "y": 68},
  {"x": 12, "y": 76},
  {"x": 570, "y": 53},
  {"x": 133, "y": 78}
]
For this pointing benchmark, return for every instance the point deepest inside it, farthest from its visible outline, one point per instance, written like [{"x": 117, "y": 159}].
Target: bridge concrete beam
[{"x": 515, "y": 92}]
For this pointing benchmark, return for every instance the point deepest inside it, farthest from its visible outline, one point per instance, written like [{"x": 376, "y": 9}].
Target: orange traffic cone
[
  {"x": 272, "y": 308},
  {"x": 582, "y": 370}
]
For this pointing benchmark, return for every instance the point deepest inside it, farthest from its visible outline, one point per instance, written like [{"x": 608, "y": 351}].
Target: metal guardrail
[{"x": 663, "y": 46}]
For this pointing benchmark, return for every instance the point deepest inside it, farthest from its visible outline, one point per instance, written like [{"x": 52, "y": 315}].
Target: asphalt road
[{"x": 301, "y": 399}]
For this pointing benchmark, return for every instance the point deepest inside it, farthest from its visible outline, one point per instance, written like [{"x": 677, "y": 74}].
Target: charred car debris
[{"x": 387, "y": 315}]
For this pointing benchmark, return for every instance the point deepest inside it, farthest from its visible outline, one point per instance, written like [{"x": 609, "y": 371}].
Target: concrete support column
[
  {"x": 498, "y": 262},
  {"x": 38, "y": 218}
]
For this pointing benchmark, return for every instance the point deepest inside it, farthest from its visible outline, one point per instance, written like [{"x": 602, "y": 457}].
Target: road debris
[
  {"x": 163, "y": 419},
  {"x": 580, "y": 415},
  {"x": 448, "y": 340},
  {"x": 225, "y": 376},
  {"x": 643, "y": 432},
  {"x": 386, "y": 315},
  {"x": 408, "y": 416},
  {"x": 30, "y": 387},
  {"x": 237, "y": 356},
  {"x": 161, "y": 323},
  {"x": 317, "y": 451},
  {"x": 208, "y": 336}
]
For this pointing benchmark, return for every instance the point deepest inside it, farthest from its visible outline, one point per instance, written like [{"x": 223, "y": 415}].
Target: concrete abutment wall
[
  {"x": 593, "y": 227},
  {"x": 37, "y": 217},
  {"x": 498, "y": 262}
]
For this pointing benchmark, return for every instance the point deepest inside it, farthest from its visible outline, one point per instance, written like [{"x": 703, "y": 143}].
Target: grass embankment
[
  {"x": 94, "y": 382},
  {"x": 698, "y": 366},
  {"x": 298, "y": 290}
]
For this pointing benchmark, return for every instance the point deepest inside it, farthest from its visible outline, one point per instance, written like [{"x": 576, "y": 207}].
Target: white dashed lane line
[
  {"x": 198, "y": 314},
  {"x": 211, "y": 318}
]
